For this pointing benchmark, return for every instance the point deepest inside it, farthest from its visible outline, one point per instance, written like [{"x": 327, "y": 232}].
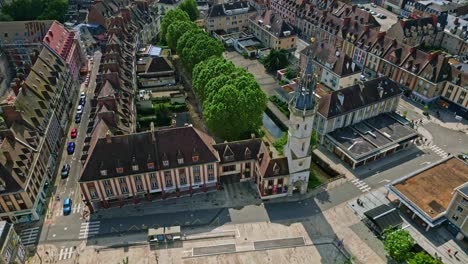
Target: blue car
[
  {"x": 67, "y": 206},
  {"x": 71, "y": 147}
]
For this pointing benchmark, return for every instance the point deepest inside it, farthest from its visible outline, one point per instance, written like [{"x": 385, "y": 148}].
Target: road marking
[
  {"x": 133, "y": 227},
  {"x": 65, "y": 253},
  {"x": 89, "y": 229},
  {"x": 386, "y": 180},
  {"x": 425, "y": 163},
  {"x": 361, "y": 185}
]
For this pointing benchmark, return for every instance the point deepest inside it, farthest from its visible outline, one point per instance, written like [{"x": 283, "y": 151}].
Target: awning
[{"x": 384, "y": 217}]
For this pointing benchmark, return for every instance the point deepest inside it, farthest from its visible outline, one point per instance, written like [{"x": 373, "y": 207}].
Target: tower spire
[{"x": 304, "y": 95}]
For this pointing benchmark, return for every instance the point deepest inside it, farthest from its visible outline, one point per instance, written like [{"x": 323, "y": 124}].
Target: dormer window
[
  {"x": 247, "y": 153},
  {"x": 119, "y": 170},
  {"x": 276, "y": 169},
  {"x": 180, "y": 160},
  {"x": 165, "y": 163},
  {"x": 150, "y": 165},
  {"x": 195, "y": 158},
  {"x": 135, "y": 167},
  {"x": 228, "y": 154},
  {"x": 103, "y": 172}
]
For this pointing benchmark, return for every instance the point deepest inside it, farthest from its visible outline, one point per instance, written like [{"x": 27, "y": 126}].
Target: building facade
[
  {"x": 457, "y": 212},
  {"x": 229, "y": 17},
  {"x": 272, "y": 31},
  {"x": 11, "y": 248},
  {"x": 35, "y": 115}
]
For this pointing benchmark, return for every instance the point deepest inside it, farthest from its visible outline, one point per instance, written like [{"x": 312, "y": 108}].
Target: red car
[{"x": 73, "y": 133}]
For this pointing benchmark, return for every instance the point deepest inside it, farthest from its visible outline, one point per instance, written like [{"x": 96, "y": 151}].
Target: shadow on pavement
[{"x": 318, "y": 229}]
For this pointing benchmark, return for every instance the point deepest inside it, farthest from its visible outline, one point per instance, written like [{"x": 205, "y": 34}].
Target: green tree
[
  {"x": 176, "y": 30},
  {"x": 5, "y": 17},
  {"x": 170, "y": 17},
  {"x": 426, "y": 109},
  {"x": 423, "y": 258},
  {"x": 54, "y": 9},
  {"x": 314, "y": 139},
  {"x": 290, "y": 73},
  {"x": 187, "y": 40},
  {"x": 190, "y": 6},
  {"x": 281, "y": 142},
  {"x": 398, "y": 244},
  {"x": 234, "y": 106},
  {"x": 207, "y": 70},
  {"x": 276, "y": 60},
  {"x": 196, "y": 46},
  {"x": 22, "y": 10}
]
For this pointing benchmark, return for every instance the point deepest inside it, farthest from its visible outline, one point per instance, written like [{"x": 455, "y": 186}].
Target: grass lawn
[{"x": 314, "y": 181}]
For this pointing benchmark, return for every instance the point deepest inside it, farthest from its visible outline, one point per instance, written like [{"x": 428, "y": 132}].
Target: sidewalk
[{"x": 447, "y": 118}]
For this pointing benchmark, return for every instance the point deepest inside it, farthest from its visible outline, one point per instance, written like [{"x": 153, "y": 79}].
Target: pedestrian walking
[
  {"x": 455, "y": 254},
  {"x": 449, "y": 250}
]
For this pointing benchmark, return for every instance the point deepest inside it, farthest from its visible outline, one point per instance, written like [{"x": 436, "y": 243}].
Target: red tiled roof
[{"x": 59, "y": 39}]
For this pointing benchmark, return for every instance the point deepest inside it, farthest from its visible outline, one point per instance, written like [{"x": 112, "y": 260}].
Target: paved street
[{"x": 55, "y": 223}]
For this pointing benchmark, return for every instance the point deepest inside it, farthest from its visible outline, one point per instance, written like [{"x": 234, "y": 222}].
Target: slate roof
[
  {"x": 238, "y": 150},
  {"x": 384, "y": 217},
  {"x": 139, "y": 148},
  {"x": 276, "y": 22},
  {"x": 218, "y": 10},
  {"x": 459, "y": 74},
  {"x": 327, "y": 55},
  {"x": 404, "y": 28},
  {"x": 276, "y": 167},
  {"x": 356, "y": 97}
]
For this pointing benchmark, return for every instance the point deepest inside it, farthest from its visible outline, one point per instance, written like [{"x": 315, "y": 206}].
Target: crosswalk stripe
[
  {"x": 364, "y": 187},
  {"x": 355, "y": 180},
  {"x": 65, "y": 253},
  {"x": 360, "y": 184}
]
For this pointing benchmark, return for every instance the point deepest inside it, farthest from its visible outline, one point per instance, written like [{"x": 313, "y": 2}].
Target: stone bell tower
[{"x": 302, "y": 109}]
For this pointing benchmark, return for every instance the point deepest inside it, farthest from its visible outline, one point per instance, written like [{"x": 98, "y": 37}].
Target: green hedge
[{"x": 282, "y": 106}]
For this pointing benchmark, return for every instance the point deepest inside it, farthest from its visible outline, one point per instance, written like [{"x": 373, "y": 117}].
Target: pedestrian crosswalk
[
  {"x": 77, "y": 209},
  {"x": 439, "y": 151},
  {"x": 29, "y": 236},
  {"x": 361, "y": 185},
  {"x": 65, "y": 253},
  {"x": 89, "y": 229}
]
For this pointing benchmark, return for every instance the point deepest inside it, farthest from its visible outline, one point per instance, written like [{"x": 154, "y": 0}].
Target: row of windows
[{"x": 154, "y": 181}]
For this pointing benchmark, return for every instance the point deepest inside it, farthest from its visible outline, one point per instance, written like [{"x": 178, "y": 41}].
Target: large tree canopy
[
  {"x": 170, "y": 17},
  {"x": 22, "y": 10},
  {"x": 176, "y": 30},
  {"x": 204, "y": 72},
  {"x": 398, "y": 244},
  {"x": 234, "y": 105},
  {"x": 276, "y": 60},
  {"x": 190, "y": 6},
  {"x": 196, "y": 46},
  {"x": 423, "y": 258}
]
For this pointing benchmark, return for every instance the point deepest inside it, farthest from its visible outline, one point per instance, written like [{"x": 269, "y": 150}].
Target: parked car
[
  {"x": 383, "y": 16},
  {"x": 71, "y": 147},
  {"x": 79, "y": 110},
  {"x": 373, "y": 5},
  {"x": 65, "y": 171},
  {"x": 67, "y": 206},
  {"x": 463, "y": 156},
  {"x": 373, "y": 13},
  {"x": 78, "y": 118},
  {"x": 83, "y": 95},
  {"x": 82, "y": 101},
  {"x": 73, "y": 133}
]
